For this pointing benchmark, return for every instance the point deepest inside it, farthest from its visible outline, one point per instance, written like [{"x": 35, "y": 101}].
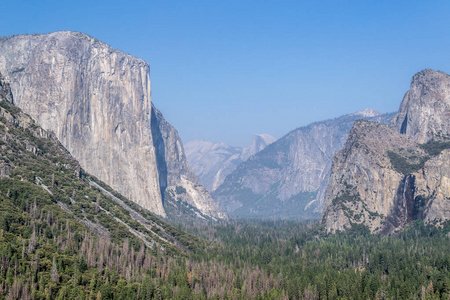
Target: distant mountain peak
[
  {"x": 212, "y": 162},
  {"x": 259, "y": 142},
  {"x": 266, "y": 137},
  {"x": 367, "y": 113}
]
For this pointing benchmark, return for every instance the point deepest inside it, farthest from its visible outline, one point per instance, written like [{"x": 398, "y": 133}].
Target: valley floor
[{"x": 233, "y": 259}]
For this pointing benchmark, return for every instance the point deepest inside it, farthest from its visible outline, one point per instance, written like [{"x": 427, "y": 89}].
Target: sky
[{"x": 225, "y": 70}]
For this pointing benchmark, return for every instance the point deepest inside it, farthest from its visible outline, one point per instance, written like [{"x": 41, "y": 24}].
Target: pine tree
[{"x": 54, "y": 275}]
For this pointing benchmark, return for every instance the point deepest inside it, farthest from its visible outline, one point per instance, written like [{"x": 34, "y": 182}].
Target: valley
[{"x": 100, "y": 199}]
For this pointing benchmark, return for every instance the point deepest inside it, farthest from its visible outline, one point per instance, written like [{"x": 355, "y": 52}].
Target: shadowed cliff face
[
  {"x": 177, "y": 181},
  {"x": 97, "y": 101},
  {"x": 405, "y": 207},
  {"x": 424, "y": 113},
  {"x": 5, "y": 90}
]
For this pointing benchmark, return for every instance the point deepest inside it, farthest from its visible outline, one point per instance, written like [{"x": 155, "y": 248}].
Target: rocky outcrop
[
  {"x": 432, "y": 189},
  {"x": 212, "y": 162},
  {"x": 288, "y": 178},
  {"x": 424, "y": 113},
  {"x": 97, "y": 102},
  {"x": 364, "y": 181},
  {"x": 5, "y": 90},
  {"x": 385, "y": 178}
]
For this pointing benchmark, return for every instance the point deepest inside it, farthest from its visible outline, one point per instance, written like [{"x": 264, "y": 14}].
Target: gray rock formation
[
  {"x": 425, "y": 110},
  {"x": 212, "y": 162},
  {"x": 288, "y": 178},
  {"x": 258, "y": 143},
  {"x": 432, "y": 185},
  {"x": 385, "y": 178},
  {"x": 97, "y": 102},
  {"x": 5, "y": 90},
  {"x": 364, "y": 181}
]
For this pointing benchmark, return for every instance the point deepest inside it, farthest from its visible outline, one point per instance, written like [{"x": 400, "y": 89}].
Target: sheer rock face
[
  {"x": 174, "y": 171},
  {"x": 97, "y": 101},
  {"x": 432, "y": 184},
  {"x": 288, "y": 177},
  {"x": 212, "y": 162},
  {"x": 385, "y": 178},
  {"x": 425, "y": 110}
]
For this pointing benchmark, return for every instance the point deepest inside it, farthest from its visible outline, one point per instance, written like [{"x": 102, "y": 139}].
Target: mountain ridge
[
  {"x": 288, "y": 177},
  {"x": 212, "y": 161}
]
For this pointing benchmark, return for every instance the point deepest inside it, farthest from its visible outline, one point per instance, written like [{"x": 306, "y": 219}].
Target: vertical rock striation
[
  {"x": 97, "y": 102},
  {"x": 424, "y": 113}
]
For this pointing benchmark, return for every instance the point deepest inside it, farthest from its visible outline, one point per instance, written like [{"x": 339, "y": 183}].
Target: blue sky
[{"x": 225, "y": 70}]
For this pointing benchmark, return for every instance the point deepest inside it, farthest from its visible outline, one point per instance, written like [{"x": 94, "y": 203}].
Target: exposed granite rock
[
  {"x": 288, "y": 178},
  {"x": 97, "y": 102},
  {"x": 424, "y": 113},
  {"x": 385, "y": 178},
  {"x": 363, "y": 182},
  {"x": 432, "y": 186},
  {"x": 212, "y": 162},
  {"x": 30, "y": 156}
]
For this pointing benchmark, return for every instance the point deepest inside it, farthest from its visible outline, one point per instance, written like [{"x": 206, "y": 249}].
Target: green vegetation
[
  {"x": 10, "y": 108},
  {"x": 63, "y": 237},
  {"x": 180, "y": 190},
  {"x": 435, "y": 147},
  {"x": 410, "y": 164},
  {"x": 181, "y": 212},
  {"x": 346, "y": 197},
  {"x": 406, "y": 165},
  {"x": 299, "y": 262}
]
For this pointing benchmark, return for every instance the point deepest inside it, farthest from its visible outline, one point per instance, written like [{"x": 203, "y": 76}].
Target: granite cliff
[
  {"x": 424, "y": 113},
  {"x": 385, "y": 177},
  {"x": 288, "y": 178},
  {"x": 97, "y": 102},
  {"x": 212, "y": 162}
]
